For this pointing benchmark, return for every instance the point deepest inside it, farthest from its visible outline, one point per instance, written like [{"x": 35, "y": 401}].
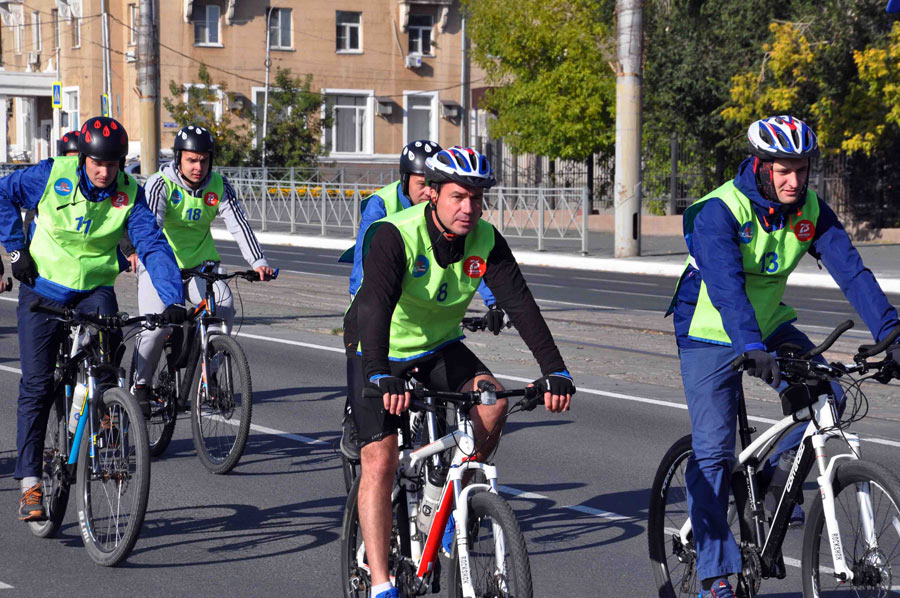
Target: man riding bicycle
[
  {"x": 186, "y": 195},
  {"x": 410, "y": 190},
  {"x": 421, "y": 268},
  {"x": 84, "y": 206},
  {"x": 744, "y": 239}
]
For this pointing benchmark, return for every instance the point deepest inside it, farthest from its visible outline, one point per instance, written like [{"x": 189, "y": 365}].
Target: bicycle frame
[{"x": 823, "y": 418}]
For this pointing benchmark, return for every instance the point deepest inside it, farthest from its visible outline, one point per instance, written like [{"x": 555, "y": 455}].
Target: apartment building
[{"x": 391, "y": 70}]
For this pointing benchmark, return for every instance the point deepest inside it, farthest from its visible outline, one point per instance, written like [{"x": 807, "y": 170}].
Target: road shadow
[
  {"x": 303, "y": 394},
  {"x": 290, "y": 454}
]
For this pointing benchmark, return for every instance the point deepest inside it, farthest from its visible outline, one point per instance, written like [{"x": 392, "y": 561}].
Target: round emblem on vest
[
  {"x": 211, "y": 199},
  {"x": 63, "y": 186},
  {"x": 746, "y": 233},
  {"x": 474, "y": 267},
  {"x": 119, "y": 200},
  {"x": 805, "y": 230},
  {"x": 176, "y": 197},
  {"x": 420, "y": 267}
]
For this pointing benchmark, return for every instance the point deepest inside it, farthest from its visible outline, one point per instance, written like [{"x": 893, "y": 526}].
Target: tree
[
  {"x": 232, "y": 138},
  {"x": 554, "y": 93},
  {"x": 294, "y": 127}
]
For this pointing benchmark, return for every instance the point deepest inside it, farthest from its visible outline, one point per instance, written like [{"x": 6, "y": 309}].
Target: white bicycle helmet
[
  {"x": 461, "y": 165},
  {"x": 782, "y": 137}
]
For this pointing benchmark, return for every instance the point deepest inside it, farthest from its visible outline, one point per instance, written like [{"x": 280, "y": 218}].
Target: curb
[{"x": 557, "y": 260}]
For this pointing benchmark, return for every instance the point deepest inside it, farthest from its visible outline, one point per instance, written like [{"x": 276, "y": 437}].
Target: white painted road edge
[{"x": 559, "y": 260}]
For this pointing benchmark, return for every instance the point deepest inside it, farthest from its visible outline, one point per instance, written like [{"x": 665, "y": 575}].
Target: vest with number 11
[{"x": 188, "y": 219}]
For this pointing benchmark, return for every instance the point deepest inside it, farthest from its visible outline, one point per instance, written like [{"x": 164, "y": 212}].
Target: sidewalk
[{"x": 661, "y": 255}]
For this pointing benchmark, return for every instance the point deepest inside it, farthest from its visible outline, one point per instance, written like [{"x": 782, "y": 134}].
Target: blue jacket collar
[
  {"x": 404, "y": 201},
  {"x": 771, "y": 214},
  {"x": 91, "y": 191}
]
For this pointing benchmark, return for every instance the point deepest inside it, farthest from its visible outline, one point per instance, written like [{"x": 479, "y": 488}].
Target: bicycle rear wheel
[
  {"x": 221, "y": 409},
  {"x": 54, "y": 477},
  {"x": 114, "y": 484},
  {"x": 859, "y": 487},
  {"x": 163, "y": 411},
  {"x": 498, "y": 559}
]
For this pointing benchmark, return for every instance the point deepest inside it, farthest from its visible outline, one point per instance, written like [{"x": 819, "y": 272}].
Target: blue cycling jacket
[
  {"x": 373, "y": 210},
  {"x": 23, "y": 189},
  {"x": 715, "y": 246}
]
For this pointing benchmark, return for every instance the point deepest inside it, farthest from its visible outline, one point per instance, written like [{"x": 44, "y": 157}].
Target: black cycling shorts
[{"x": 448, "y": 368}]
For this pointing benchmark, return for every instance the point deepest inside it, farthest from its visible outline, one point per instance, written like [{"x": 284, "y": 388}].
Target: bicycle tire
[
  {"x": 351, "y": 472},
  {"x": 884, "y": 489},
  {"x": 667, "y": 560},
  {"x": 488, "y": 582},
  {"x": 110, "y": 526},
  {"x": 163, "y": 410},
  {"x": 213, "y": 419},
  {"x": 54, "y": 478}
]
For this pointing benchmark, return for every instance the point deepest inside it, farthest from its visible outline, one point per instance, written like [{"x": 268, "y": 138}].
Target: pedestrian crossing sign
[{"x": 57, "y": 94}]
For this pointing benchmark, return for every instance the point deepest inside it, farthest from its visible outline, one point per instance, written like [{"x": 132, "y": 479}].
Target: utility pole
[
  {"x": 104, "y": 9},
  {"x": 464, "y": 87},
  {"x": 265, "y": 130},
  {"x": 629, "y": 35},
  {"x": 148, "y": 86}
]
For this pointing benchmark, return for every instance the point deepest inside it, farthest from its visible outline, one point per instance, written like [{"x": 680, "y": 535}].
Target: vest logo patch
[
  {"x": 420, "y": 267},
  {"x": 63, "y": 187},
  {"x": 474, "y": 267},
  {"x": 210, "y": 199},
  {"x": 746, "y": 233},
  {"x": 119, "y": 200},
  {"x": 805, "y": 230},
  {"x": 176, "y": 197}
]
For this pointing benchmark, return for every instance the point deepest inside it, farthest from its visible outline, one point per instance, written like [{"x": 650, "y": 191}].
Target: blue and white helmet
[
  {"x": 782, "y": 137},
  {"x": 461, "y": 165}
]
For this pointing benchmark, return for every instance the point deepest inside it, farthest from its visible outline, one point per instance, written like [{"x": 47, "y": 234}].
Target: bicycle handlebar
[
  {"x": 104, "y": 321},
  {"x": 486, "y": 396},
  {"x": 248, "y": 275},
  {"x": 479, "y": 323},
  {"x": 866, "y": 351}
]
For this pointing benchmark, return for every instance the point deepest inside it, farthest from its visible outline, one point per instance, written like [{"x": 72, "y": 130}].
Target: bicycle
[
  {"x": 105, "y": 455},
  {"x": 489, "y": 556},
  {"x": 854, "y": 555},
  {"x": 350, "y": 467},
  {"x": 179, "y": 385}
]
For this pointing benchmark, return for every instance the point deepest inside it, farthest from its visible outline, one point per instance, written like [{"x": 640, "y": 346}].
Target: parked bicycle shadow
[{"x": 552, "y": 528}]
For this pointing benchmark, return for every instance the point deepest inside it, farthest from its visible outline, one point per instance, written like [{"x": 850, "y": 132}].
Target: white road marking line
[
  {"x": 644, "y": 284},
  {"x": 289, "y": 342},
  {"x": 556, "y": 286},
  {"x": 6, "y": 368},
  {"x": 6, "y": 586}
]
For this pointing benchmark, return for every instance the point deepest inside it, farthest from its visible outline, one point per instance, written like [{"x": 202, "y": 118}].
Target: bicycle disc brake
[{"x": 751, "y": 573}]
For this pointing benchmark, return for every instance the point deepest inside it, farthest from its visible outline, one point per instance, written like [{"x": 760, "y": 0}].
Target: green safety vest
[
  {"x": 75, "y": 240},
  {"x": 768, "y": 260},
  {"x": 392, "y": 205},
  {"x": 188, "y": 219},
  {"x": 434, "y": 300}
]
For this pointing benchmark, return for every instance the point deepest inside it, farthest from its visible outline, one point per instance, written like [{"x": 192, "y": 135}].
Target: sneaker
[
  {"x": 449, "y": 532},
  {"x": 720, "y": 589},
  {"x": 392, "y": 593},
  {"x": 31, "y": 505},
  {"x": 797, "y": 518},
  {"x": 350, "y": 445},
  {"x": 143, "y": 394}
]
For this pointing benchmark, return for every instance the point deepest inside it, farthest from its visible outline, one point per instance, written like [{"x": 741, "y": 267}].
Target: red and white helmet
[
  {"x": 461, "y": 165},
  {"x": 782, "y": 137}
]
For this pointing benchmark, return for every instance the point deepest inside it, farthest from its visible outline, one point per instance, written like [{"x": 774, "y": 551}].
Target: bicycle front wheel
[
  {"x": 113, "y": 479},
  {"x": 498, "y": 559},
  {"x": 222, "y": 407},
  {"x": 54, "y": 477},
  {"x": 867, "y": 509}
]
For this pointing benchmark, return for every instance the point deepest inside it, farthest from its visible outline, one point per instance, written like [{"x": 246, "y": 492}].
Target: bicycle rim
[
  {"x": 53, "y": 475},
  {"x": 114, "y": 484}
]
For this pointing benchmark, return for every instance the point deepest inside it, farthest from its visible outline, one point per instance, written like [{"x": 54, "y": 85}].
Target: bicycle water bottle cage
[{"x": 798, "y": 396}]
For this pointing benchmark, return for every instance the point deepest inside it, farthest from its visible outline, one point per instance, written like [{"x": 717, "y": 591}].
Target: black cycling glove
[
  {"x": 175, "y": 314},
  {"x": 389, "y": 384},
  {"x": 892, "y": 369},
  {"x": 23, "y": 268},
  {"x": 496, "y": 318},
  {"x": 557, "y": 383},
  {"x": 763, "y": 366}
]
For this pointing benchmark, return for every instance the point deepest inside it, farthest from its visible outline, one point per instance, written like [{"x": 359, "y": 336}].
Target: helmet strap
[{"x": 441, "y": 226}]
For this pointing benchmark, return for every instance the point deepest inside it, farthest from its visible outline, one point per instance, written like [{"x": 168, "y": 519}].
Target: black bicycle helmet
[
  {"x": 461, "y": 165},
  {"x": 68, "y": 143},
  {"x": 193, "y": 138},
  {"x": 412, "y": 160},
  {"x": 103, "y": 138}
]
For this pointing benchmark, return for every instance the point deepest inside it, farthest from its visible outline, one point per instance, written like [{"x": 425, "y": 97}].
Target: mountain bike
[
  {"x": 489, "y": 557},
  {"x": 851, "y": 542},
  {"x": 204, "y": 372},
  {"x": 95, "y": 440}
]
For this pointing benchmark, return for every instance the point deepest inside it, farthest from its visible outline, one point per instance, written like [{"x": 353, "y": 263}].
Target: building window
[
  {"x": 214, "y": 106},
  {"x": 54, "y": 14},
  {"x": 132, "y": 24},
  {"x": 206, "y": 25},
  {"x": 76, "y": 32},
  {"x": 18, "y": 34},
  {"x": 280, "y": 29},
  {"x": 69, "y": 120},
  {"x": 350, "y": 121},
  {"x": 420, "y": 116},
  {"x": 420, "y": 28},
  {"x": 36, "y": 42},
  {"x": 349, "y": 31}
]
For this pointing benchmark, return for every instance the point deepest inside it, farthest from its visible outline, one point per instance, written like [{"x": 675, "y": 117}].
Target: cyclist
[
  {"x": 84, "y": 205},
  {"x": 421, "y": 269},
  {"x": 185, "y": 196},
  {"x": 410, "y": 190},
  {"x": 744, "y": 239}
]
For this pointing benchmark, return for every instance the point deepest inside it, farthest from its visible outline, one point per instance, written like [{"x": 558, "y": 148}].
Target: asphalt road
[{"x": 578, "y": 481}]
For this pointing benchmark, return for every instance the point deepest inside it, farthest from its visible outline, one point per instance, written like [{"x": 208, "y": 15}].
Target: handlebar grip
[
  {"x": 533, "y": 398},
  {"x": 739, "y": 362},
  {"x": 38, "y": 306},
  {"x": 866, "y": 351},
  {"x": 841, "y": 329}
]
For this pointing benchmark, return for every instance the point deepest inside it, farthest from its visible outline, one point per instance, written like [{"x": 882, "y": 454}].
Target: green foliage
[
  {"x": 232, "y": 138},
  {"x": 294, "y": 127},
  {"x": 554, "y": 94}
]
